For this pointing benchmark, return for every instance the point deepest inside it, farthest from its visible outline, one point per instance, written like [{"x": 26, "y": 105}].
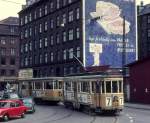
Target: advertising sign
[
  {"x": 26, "y": 73},
  {"x": 103, "y": 25}
]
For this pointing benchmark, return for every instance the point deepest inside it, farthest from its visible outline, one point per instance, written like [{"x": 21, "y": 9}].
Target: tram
[
  {"x": 94, "y": 93},
  {"x": 42, "y": 89}
]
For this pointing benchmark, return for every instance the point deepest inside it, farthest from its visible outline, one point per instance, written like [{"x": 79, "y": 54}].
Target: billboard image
[{"x": 105, "y": 23}]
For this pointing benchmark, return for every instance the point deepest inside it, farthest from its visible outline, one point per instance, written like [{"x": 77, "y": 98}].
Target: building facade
[
  {"x": 139, "y": 81},
  {"x": 9, "y": 48},
  {"x": 143, "y": 31},
  {"x": 51, "y": 38}
]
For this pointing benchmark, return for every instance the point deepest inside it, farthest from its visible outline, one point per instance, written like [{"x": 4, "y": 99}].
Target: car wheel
[
  {"x": 22, "y": 115},
  {"x": 5, "y": 118}
]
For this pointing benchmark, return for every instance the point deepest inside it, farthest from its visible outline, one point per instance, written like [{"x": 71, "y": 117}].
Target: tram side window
[
  {"x": 93, "y": 87},
  {"x": 49, "y": 85},
  {"x": 79, "y": 84},
  {"x": 56, "y": 85},
  {"x": 108, "y": 86},
  {"x": 114, "y": 87},
  {"x": 98, "y": 87},
  {"x": 60, "y": 85},
  {"x": 68, "y": 86},
  {"x": 85, "y": 86},
  {"x": 38, "y": 85},
  {"x": 120, "y": 86},
  {"x": 23, "y": 86},
  {"x": 103, "y": 87}
]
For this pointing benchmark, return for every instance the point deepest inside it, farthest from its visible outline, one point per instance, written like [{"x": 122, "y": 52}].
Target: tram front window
[
  {"x": 108, "y": 86},
  {"x": 114, "y": 87},
  {"x": 120, "y": 87},
  {"x": 49, "y": 85}
]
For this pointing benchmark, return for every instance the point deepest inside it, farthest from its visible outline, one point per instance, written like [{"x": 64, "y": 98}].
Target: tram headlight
[{"x": 108, "y": 101}]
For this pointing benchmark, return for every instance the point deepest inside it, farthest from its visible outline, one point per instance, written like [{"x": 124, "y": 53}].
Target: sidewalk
[{"x": 137, "y": 106}]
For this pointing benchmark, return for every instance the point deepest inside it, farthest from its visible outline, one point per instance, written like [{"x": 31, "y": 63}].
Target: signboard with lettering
[
  {"x": 26, "y": 73},
  {"x": 103, "y": 33}
]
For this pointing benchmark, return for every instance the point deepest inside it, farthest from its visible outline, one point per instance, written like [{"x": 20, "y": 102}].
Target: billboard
[{"x": 103, "y": 33}]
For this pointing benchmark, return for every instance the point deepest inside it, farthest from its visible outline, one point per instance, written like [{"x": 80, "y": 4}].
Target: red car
[{"x": 11, "y": 109}]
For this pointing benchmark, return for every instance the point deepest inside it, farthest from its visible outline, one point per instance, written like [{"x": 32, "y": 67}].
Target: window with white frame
[
  {"x": 26, "y": 33},
  {"x": 64, "y": 20},
  {"x": 35, "y": 15},
  {"x": 58, "y": 4},
  {"x": 26, "y": 61},
  {"x": 64, "y": 54},
  {"x": 40, "y": 30},
  {"x": 30, "y": 60},
  {"x": 78, "y": 52},
  {"x": 70, "y": 16},
  {"x": 40, "y": 12},
  {"x": 77, "y": 33},
  {"x": 45, "y": 26},
  {"x": 45, "y": 42},
  {"x": 46, "y": 57},
  {"x": 64, "y": 36},
  {"x": 58, "y": 55},
  {"x": 35, "y": 30},
  {"x": 70, "y": 34},
  {"x": 51, "y": 23},
  {"x": 71, "y": 53},
  {"x": 3, "y": 41},
  {"x": 22, "y": 48},
  {"x": 21, "y": 21},
  {"x": 57, "y": 39},
  {"x": 77, "y": 13},
  {"x": 52, "y": 56},
  {"x": 40, "y": 58},
  {"x": 3, "y": 51},
  {"x": 40, "y": 43},
  {"x": 51, "y": 40},
  {"x": 45, "y": 9},
  {"x": 64, "y": 2}
]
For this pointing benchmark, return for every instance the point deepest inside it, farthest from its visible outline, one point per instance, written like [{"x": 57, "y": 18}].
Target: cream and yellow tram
[
  {"x": 42, "y": 89},
  {"x": 96, "y": 93}
]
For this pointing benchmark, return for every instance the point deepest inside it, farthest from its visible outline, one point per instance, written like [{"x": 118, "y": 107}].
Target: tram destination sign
[{"x": 103, "y": 33}]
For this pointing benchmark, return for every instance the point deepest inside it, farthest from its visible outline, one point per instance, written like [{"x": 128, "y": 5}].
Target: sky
[{"x": 11, "y": 9}]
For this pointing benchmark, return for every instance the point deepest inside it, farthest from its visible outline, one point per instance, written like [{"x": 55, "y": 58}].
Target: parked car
[
  {"x": 12, "y": 109},
  {"x": 10, "y": 95},
  {"x": 29, "y": 103}
]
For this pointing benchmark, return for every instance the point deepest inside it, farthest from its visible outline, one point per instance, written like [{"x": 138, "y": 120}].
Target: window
[
  {"x": 84, "y": 86},
  {"x": 38, "y": 85},
  {"x": 51, "y": 6},
  {"x": 3, "y": 41},
  {"x": 26, "y": 61},
  {"x": 71, "y": 34},
  {"x": 12, "y": 51},
  {"x": 40, "y": 58},
  {"x": 148, "y": 32},
  {"x": 22, "y": 48},
  {"x": 35, "y": 30},
  {"x": 69, "y": 1},
  {"x": 108, "y": 86},
  {"x": 3, "y": 51},
  {"x": 77, "y": 33},
  {"x": 78, "y": 69},
  {"x": 58, "y": 55},
  {"x": 30, "y": 46},
  {"x": 148, "y": 19},
  {"x": 30, "y": 31},
  {"x": 51, "y": 23},
  {"x": 57, "y": 21},
  {"x": 64, "y": 36},
  {"x": 3, "y": 72},
  {"x": 3, "y": 61},
  {"x": 12, "y": 61},
  {"x": 21, "y": 21},
  {"x": 26, "y": 19},
  {"x": 58, "y": 4},
  {"x": 49, "y": 85},
  {"x": 57, "y": 39},
  {"x": 64, "y": 2},
  {"x": 64, "y": 20},
  {"x": 114, "y": 87},
  {"x": 45, "y": 42},
  {"x": 40, "y": 30},
  {"x": 12, "y": 41},
  {"x": 40, "y": 12},
  {"x": 12, "y": 72},
  {"x": 35, "y": 15},
  {"x": 65, "y": 70},
  {"x": 65, "y": 55},
  {"x": 51, "y": 40},
  {"x": 30, "y": 17},
  {"x": 70, "y": 16},
  {"x": 52, "y": 56},
  {"x": 30, "y": 60},
  {"x": 35, "y": 59},
  {"x": 45, "y": 10},
  {"x": 68, "y": 86},
  {"x": 77, "y": 13},
  {"x": 45, "y": 27},
  {"x": 71, "y": 53},
  {"x": 26, "y": 47},
  {"x": 71, "y": 70},
  {"x": 78, "y": 52},
  {"x": 46, "y": 58},
  {"x": 26, "y": 33},
  {"x": 40, "y": 43}
]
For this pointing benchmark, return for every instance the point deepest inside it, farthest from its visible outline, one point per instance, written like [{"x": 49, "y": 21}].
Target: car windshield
[
  {"x": 14, "y": 96},
  {"x": 4, "y": 104},
  {"x": 27, "y": 100}
]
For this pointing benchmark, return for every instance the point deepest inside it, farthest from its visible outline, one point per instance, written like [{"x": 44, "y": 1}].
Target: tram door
[
  {"x": 97, "y": 91},
  {"x": 75, "y": 91}
]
